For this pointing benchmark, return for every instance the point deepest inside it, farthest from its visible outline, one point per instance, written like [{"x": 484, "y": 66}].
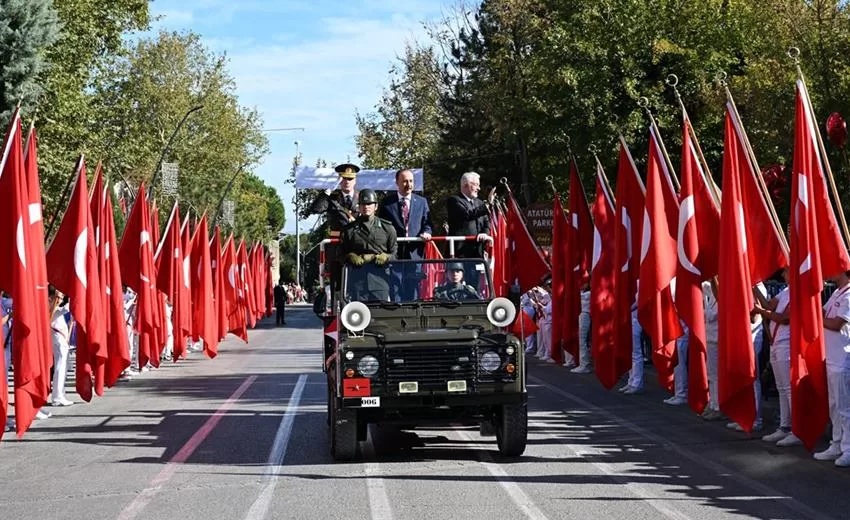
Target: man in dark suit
[
  {"x": 469, "y": 216},
  {"x": 280, "y": 303},
  {"x": 411, "y": 217}
]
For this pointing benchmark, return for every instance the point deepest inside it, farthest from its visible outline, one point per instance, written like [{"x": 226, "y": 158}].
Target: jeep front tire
[
  {"x": 344, "y": 441},
  {"x": 512, "y": 429}
]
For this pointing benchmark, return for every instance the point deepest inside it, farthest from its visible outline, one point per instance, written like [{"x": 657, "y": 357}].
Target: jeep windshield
[{"x": 454, "y": 280}]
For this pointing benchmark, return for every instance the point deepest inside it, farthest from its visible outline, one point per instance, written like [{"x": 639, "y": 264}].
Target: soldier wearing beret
[
  {"x": 368, "y": 243},
  {"x": 455, "y": 289}
]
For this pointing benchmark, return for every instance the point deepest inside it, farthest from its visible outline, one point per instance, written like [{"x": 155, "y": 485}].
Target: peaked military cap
[{"x": 347, "y": 170}]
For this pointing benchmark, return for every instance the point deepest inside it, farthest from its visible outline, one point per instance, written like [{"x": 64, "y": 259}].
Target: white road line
[
  {"x": 721, "y": 470},
  {"x": 518, "y": 496},
  {"x": 639, "y": 490},
  {"x": 379, "y": 502},
  {"x": 281, "y": 440}
]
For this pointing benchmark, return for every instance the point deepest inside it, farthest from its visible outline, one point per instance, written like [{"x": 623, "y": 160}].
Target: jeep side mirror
[{"x": 514, "y": 295}]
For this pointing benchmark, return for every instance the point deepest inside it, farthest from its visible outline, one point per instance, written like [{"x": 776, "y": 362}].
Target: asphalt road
[{"x": 244, "y": 437}]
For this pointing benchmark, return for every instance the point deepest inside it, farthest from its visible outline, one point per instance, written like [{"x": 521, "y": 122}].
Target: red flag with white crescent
[{"x": 602, "y": 279}]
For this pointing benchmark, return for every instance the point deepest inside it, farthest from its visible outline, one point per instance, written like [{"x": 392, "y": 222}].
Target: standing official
[
  {"x": 280, "y": 303},
  {"x": 469, "y": 216},
  {"x": 340, "y": 205},
  {"x": 410, "y": 216}
]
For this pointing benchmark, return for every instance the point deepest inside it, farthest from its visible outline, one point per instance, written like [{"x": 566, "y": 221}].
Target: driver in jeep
[{"x": 455, "y": 289}]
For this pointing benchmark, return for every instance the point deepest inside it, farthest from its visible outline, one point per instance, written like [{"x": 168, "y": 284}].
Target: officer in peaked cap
[
  {"x": 455, "y": 289},
  {"x": 339, "y": 205}
]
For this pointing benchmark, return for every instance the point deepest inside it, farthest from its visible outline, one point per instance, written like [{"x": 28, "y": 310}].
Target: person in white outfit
[
  {"x": 709, "y": 301},
  {"x": 585, "y": 361},
  {"x": 169, "y": 326},
  {"x": 635, "y": 384},
  {"x": 836, "y": 325},
  {"x": 777, "y": 314},
  {"x": 544, "y": 321},
  {"x": 528, "y": 307},
  {"x": 757, "y": 331},
  {"x": 132, "y": 338},
  {"x": 60, "y": 335}
]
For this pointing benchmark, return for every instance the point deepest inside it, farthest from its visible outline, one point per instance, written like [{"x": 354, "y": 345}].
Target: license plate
[{"x": 370, "y": 402}]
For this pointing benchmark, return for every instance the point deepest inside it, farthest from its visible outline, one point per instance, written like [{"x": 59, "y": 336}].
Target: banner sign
[
  {"x": 538, "y": 217},
  {"x": 310, "y": 177}
]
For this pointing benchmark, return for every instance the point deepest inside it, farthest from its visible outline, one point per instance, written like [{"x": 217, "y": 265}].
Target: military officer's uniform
[
  {"x": 456, "y": 291},
  {"x": 368, "y": 244},
  {"x": 340, "y": 209}
]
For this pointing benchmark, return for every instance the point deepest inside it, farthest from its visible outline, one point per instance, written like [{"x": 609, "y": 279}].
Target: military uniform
[
  {"x": 340, "y": 209},
  {"x": 456, "y": 292},
  {"x": 368, "y": 244}
]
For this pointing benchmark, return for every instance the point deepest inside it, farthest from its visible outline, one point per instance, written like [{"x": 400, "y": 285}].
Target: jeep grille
[{"x": 431, "y": 367}]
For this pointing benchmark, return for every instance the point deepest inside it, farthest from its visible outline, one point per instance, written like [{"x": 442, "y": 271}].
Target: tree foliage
[{"x": 517, "y": 78}]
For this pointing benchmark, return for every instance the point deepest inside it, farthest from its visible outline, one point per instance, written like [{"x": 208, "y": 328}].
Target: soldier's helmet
[
  {"x": 454, "y": 266},
  {"x": 367, "y": 196}
]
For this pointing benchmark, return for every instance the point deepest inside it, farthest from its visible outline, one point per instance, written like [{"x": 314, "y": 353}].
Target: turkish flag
[
  {"x": 578, "y": 246},
  {"x": 17, "y": 277},
  {"x": 434, "y": 272},
  {"x": 80, "y": 280},
  {"x": 235, "y": 310},
  {"x": 523, "y": 326},
  {"x": 501, "y": 257},
  {"x": 37, "y": 245},
  {"x": 118, "y": 345},
  {"x": 817, "y": 252},
  {"x": 736, "y": 364},
  {"x": 631, "y": 201},
  {"x": 169, "y": 279},
  {"x": 135, "y": 257},
  {"x": 204, "y": 319},
  {"x": 527, "y": 262},
  {"x": 698, "y": 252},
  {"x": 656, "y": 312},
  {"x": 218, "y": 283},
  {"x": 602, "y": 281},
  {"x": 560, "y": 272},
  {"x": 159, "y": 335}
]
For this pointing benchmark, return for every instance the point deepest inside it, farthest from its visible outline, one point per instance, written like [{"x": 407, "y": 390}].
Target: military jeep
[{"x": 418, "y": 342}]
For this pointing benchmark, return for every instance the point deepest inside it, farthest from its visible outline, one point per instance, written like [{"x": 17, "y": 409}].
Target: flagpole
[
  {"x": 643, "y": 102},
  {"x": 673, "y": 82},
  {"x": 755, "y": 171},
  {"x": 64, "y": 199},
  {"x": 610, "y": 193},
  {"x": 794, "y": 54}
]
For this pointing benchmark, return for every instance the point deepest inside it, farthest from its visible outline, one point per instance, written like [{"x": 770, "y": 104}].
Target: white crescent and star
[
  {"x": 686, "y": 213},
  {"x": 80, "y": 253}
]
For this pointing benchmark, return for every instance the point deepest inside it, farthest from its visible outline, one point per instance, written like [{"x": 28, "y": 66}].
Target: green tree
[{"x": 27, "y": 27}]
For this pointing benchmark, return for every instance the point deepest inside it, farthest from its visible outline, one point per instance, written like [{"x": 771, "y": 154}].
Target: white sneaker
[
  {"x": 632, "y": 390},
  {"x": 843, "y": 461},
  {"x": 41, "y": 415},
  {"x": 734, "y": 426},
  {"x": 62, "y": 402},
  {"x": 10, "y": 425},
  {"x": 776, "y": 436},
  {"x": 676, "y": 401},
  {"x": 623, "y": 389},
  {"x": 831, "y": 453},
  {"x": 790, "y": 440},
  {"x": 582, "y": 370},
  {"x": 549, "y": 360}
]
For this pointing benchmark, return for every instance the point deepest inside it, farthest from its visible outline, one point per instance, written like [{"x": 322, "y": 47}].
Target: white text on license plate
[{"x": 370, "y": 402}]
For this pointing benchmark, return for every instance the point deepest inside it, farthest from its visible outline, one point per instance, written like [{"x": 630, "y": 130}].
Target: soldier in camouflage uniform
[
  {"x": 368, "y": 244},
  {"x": 455, "y": 290}
]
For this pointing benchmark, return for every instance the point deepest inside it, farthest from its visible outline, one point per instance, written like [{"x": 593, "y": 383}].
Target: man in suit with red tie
[{"x": 411, "y": 217}]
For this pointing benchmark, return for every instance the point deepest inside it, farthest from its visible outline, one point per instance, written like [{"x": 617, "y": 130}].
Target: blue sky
[{"x": 308, "y": 64}]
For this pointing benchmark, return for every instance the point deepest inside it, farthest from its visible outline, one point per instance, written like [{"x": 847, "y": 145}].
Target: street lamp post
[{"x": 296, "y": 163}]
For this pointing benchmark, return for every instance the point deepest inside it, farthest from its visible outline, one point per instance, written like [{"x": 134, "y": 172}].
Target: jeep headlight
[
  {"x": 490, "y": 361},
  {"x": 368, "y": 365}
]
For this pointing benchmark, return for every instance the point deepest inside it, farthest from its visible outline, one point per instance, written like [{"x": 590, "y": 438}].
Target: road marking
[
  {"x": 144, "y": 498},
  {"x": 518, "y": 496},
  {"x": 640, "y": 490},
  {"x": 716, "y": 467},
  {"x": 379, "y": 502},
  {"x": 281, "y": 440}
]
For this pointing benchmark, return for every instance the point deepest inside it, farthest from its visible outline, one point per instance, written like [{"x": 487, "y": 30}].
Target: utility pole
[{"x": 295, "y": 164}]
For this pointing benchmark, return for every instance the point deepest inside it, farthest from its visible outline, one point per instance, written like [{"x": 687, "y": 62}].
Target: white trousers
[
  {"x": 780, "y": 360},
  {"x": 60, "y": 369},
  {"x": 711, "y": 365},
  {"x": 636, "y": 373},
  {"x": 584, "y": 340},
  {"x": 838, "y": 387},
  {"x": 544, "y": 339}
]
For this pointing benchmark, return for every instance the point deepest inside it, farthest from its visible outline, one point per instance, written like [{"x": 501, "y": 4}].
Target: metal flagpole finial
[
  {"x": 504, "y": 181},
  {"x": 643, "y": 102},
  {"x": 672, "y": 80},
  {"x": 794, "y": 54},
  {"x": 593, "y": 149},
  {"x": 721, "y": 78}
]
